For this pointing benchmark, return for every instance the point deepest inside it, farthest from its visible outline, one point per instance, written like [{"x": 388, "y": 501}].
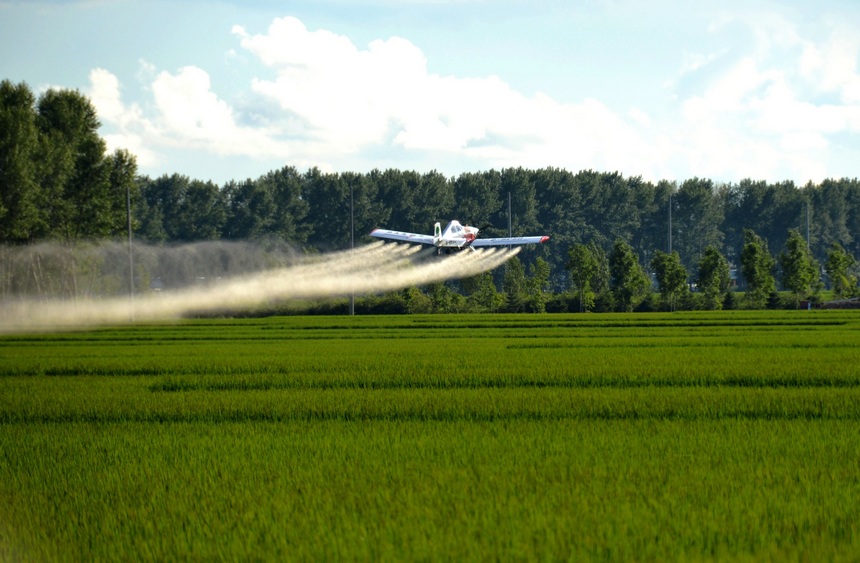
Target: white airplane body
[{"x": 455, "y": 237}]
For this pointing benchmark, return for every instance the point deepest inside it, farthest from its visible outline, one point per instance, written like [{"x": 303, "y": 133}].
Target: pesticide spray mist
[{"x": 374, "y": 268}]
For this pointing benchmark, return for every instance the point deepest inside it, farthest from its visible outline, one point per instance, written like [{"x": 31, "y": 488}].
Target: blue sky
[{"x": 660, "y": 89}]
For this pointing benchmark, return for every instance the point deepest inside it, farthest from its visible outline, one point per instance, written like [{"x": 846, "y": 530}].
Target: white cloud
[
  {"x": 131, "y": 130},
  {"x": 350, "y": 99},
  {"x": 186, "y": 114},
  {"x": 832, "y": 65},
  {"x": 754, "y": 113},
  {"x": 770, "y": 113},
  {"x": 190, "y": 111}
]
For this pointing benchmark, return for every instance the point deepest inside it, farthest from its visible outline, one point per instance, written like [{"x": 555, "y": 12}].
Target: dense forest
[{"x": 59, "y": 183}]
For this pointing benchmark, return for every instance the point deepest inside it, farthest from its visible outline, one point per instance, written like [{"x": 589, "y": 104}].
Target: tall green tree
[
  {"x": 122, "y": 176},
  {"x": 369, "y": 210},
  {"x": 417, "y": 303},
  {"x": 19, "y": 144},
  {"x": 150, "y": 212},
  {"x": 714, "y": 277},
  {"x": 201, "y": 214},
  {"x": 697, "y": 214},
  {"x": 852, "y": 220},
  {"x": 519, "y": 184},
  {"x": 830, "y": 219},
  {"x": 757, "y": 267},
  {"x": 486, "y": 297},
  {"x": 433, "y": 201},
  {"x": 441, "y": 298},
  {"x": 75, "y": 179},
  {"x": 538, "y": 285},
  {"x": 179, "y": 209},
  {"x": 609, "y": 206},
  {"x": 250, "y": 209},
  {"x": 584, "y": 263},
  {"x": 652, "y": 202},
  {"x": 397, "y": 189},
  {"x": 560, "y": 210},
  {"x": 766, "y": 208},
  {"x": 800, "y": 272},
  {"x": 671, "y": 276},
  {"x": 328, "y": 209},
  {"x": 271, "y": 206},
  {"x": 477, "y": 197},
  {"x": 515, "y": 284},
  {"x": 291, "y": 209},
  {"x": 840, "y": 269},
  {"x": 630, "y": 283}
]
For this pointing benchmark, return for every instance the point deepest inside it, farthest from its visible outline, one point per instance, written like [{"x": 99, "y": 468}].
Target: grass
[{"x": 706, "y": 436}]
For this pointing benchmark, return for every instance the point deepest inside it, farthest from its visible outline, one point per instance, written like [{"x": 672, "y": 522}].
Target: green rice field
[{"x": 647, "y": 437}]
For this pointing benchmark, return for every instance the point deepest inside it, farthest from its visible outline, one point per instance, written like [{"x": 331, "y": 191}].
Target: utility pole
[
  {"x": 351, "y": 246},
  {"x": 670, "y": 223},
  {"x": 130, "y": 250},
  {"x": 509, "y": 215},
  {"x": 509, "y": 218}
]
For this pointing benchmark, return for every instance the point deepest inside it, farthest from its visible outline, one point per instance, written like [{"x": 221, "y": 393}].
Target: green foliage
[
  {"x": 76, "y": 183},
  {"x": 630, "y": 283},
  {"x": 757, "y": 267},
  {"x": 250, "y": 210},
  {"x": 697, "y": 215},
  {"x": 671, "y": 277},
  {"x": 515, "y": 285},
  {"x": 486, "y": 298},
  {"x": 19, "y": 143},
  {"x": 729, "y": 301},
  {"x": 57, "y": 180},
  {"x": 714, "y": 278},
  {"x": 800, "y": 271},
  {"x": 538, "y": 286},
  {"x": 589, "y": 272},
  {"x": 416, "y": 302},
  {"x": 478, "y": 197},
  {"x": 835, "y": 216},
  {"x": 840, "y": 269},
  {"x": 440, "y": 297},
  {"x": 58, "y": 184},
  {"x": 601, "y": 436},
  {"x": 765, "y": 208}
]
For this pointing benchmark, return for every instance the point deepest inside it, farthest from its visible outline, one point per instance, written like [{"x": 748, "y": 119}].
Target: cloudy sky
[{"x": 663, "y": 89}]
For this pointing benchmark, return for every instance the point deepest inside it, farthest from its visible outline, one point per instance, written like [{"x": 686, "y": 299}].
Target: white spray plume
[{"x": 374, "y": 268}]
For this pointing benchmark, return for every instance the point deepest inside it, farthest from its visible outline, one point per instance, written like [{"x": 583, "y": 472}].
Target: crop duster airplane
[{"x": 455, "y": 237}]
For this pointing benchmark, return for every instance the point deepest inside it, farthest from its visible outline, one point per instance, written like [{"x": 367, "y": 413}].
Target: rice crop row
[
  {"x": 568, "y": 357},
  {"x": 584, "y": 490},
  {"x": 81, "y": 403},
  {"x": 646, "y": 437}
]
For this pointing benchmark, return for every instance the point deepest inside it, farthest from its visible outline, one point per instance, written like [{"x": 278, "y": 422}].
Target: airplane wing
[
  {"x": 508, "y": 241},
  {"x": 413, "y": 238}
]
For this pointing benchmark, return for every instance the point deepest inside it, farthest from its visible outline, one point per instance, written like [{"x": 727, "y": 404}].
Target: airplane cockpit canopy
[{"x": 454, "y": 229}]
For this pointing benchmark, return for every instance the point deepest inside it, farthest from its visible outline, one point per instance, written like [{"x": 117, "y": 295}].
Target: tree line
[{"x": 59, "y": 183}]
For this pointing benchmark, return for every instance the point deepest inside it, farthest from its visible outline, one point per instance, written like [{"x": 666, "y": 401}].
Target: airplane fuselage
[{"x": 455, "y": 237}]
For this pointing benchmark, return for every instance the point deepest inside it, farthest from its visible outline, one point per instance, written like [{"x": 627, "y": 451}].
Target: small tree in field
[
  {"x": 671, "y": 276},
  {"x": 714, "y": 277},
  {"x": 630, "y": 283},
  {"x": 538, "y": 285},
  {"x": 799, "y": 269},
  {"x": 486, "y": 297},
  {"x": 757, "y": 267},
  {"x": 840, "y": 266},
  {"x": 515, "y": 284},
  {"x": 583, "y": 266}
]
